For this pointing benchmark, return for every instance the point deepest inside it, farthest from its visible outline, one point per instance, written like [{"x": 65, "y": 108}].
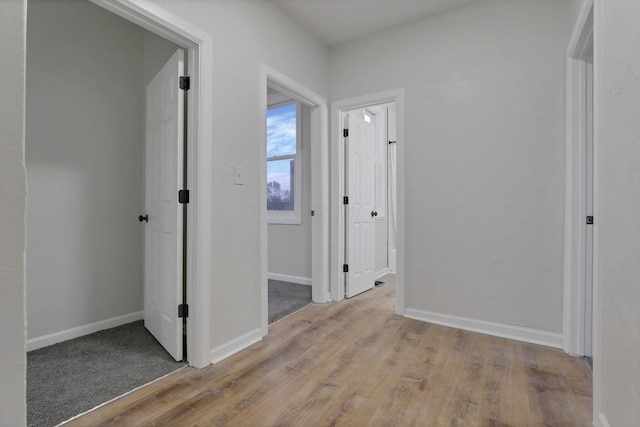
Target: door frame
[
  {"x": 338, "y": 225},
  {"x": 575, "y": 286},
  {"x": 319, "y": 186},
  {"x": 197, "y": 44}
]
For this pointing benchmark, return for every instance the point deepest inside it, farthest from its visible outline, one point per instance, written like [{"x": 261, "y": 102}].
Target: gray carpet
[
  {"x": 286, "y": 298},
  {"x": 66, "y": 379}
]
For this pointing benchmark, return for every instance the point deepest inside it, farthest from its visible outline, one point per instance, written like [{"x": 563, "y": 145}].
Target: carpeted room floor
[
  {"x": 72, "y": 377},
  {"x": 286, "y": 298}
]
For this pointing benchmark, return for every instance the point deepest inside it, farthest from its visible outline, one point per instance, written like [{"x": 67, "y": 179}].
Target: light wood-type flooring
[{"x": 356, "y": 363}]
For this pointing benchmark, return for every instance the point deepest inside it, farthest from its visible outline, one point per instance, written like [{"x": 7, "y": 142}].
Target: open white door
[
  {"x": 163, "y": 232},
  {"x": 360, "y": 210}
]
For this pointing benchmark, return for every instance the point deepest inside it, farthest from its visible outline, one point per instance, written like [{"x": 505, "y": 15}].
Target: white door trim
[
  {"x": 575, "y": 190},
  {"x": 198, "y": 44},
  {"x": 337, "y": 186},
  {"x": 319, "y": 186},
  {"x": 585, "y": 32},
  {"x": 596, "y": 6}
]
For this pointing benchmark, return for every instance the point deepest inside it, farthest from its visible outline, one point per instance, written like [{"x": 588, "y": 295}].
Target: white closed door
[
  {"x": 163, "y": 232},
  {"x": 360, "y": 186}
]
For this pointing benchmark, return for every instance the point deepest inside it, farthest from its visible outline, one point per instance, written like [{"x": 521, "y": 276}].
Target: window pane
[
  {"x": 281, "y": 131},
  {"x": 280, "y": 185}
]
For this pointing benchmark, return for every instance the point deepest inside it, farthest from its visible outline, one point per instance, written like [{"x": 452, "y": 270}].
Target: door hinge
[
  {"x": 589, "y": 220},
  {"x": 183, "y": 310},
  {"x": 345, "y": 133},
  {"x": 345, "y": 200},
  {"x": 185, "y": 82},
  {"x": 183, "y": 196},
  {"x": 345, "y": 268}
]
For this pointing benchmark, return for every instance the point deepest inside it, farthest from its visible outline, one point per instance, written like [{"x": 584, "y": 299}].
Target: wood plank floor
[{"x": 356, "y": 363}]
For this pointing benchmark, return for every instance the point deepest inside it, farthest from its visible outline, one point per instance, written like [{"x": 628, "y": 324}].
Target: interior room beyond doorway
[
  {"x": 85, "y": 115},
  {"x": 289, "y": 229}
]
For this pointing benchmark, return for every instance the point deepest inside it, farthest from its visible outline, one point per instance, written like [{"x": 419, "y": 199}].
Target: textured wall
[
  {"x": 484, "y": 153},
  {"x": 84, "y": 155},
  {"x": 618, "y": 85},
  {"x": 575, "y": 7},
  {"x": 157, "y": 52}
]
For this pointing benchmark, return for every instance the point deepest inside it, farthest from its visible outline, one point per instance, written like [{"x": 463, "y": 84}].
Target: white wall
[
  {"x": 245, "y": 34},
  {"x": 290, "y": 244},
  {"x": 484, "y": 153},
  {"x": 617, "y": 61},
  {"x": 13, "y": 408},
  {"x": 84, "y": 153},
  {"x": 156, "y": 52},
  {"x": 575, "y": 7}
]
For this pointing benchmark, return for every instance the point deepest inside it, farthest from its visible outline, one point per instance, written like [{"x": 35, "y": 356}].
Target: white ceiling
[{"x": 338, "y": 21}]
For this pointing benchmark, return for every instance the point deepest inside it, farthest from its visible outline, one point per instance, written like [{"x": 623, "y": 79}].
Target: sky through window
[{"x": 281, "y": 141}]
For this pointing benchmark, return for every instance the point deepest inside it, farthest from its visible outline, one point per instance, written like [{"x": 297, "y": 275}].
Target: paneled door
[
  {"x": 164, "y": 231},
  {"x": 360, "y": 189}
]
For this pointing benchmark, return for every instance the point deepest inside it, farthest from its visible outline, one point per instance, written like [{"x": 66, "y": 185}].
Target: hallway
[{"x": 357, "y": 363}]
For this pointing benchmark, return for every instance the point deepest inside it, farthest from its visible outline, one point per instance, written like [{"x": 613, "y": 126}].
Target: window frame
[{"x": 293, "y": 217}]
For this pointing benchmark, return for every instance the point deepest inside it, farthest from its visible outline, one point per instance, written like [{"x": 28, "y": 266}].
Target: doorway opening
[
  {"x": 370, "y": 195},
  {"x": 285, "y": 206},
  {"x": 367, "y": 242},
  {"x": 199, "y": 134},
  {"x": 581, "y": 201},
  {"x": 87, "y": 176},
  {"x": 288, "y": 204},
  {"x": 92, "y": 156}
]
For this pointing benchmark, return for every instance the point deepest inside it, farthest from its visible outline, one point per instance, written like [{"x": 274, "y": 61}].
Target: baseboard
[
  {"x": 532, "y": 336},
  {"x": 290, "y": 279},
  {"x": 602, "y": 421},
  {"x": 234, "y": 346},
  {"x": 80, "y": 331}
]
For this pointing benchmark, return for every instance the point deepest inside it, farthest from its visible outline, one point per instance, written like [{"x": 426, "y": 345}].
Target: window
[{"x": 283, "y": 163}]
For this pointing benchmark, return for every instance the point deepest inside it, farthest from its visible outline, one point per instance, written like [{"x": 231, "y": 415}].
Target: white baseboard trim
[
  {"x": 232, "y": 347},
  {"x": 602, "y": 421},
  {"x": 69, "y": 334},
  {"x": 533, "y": 336},
  {"x": 290, "y": 279}
]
